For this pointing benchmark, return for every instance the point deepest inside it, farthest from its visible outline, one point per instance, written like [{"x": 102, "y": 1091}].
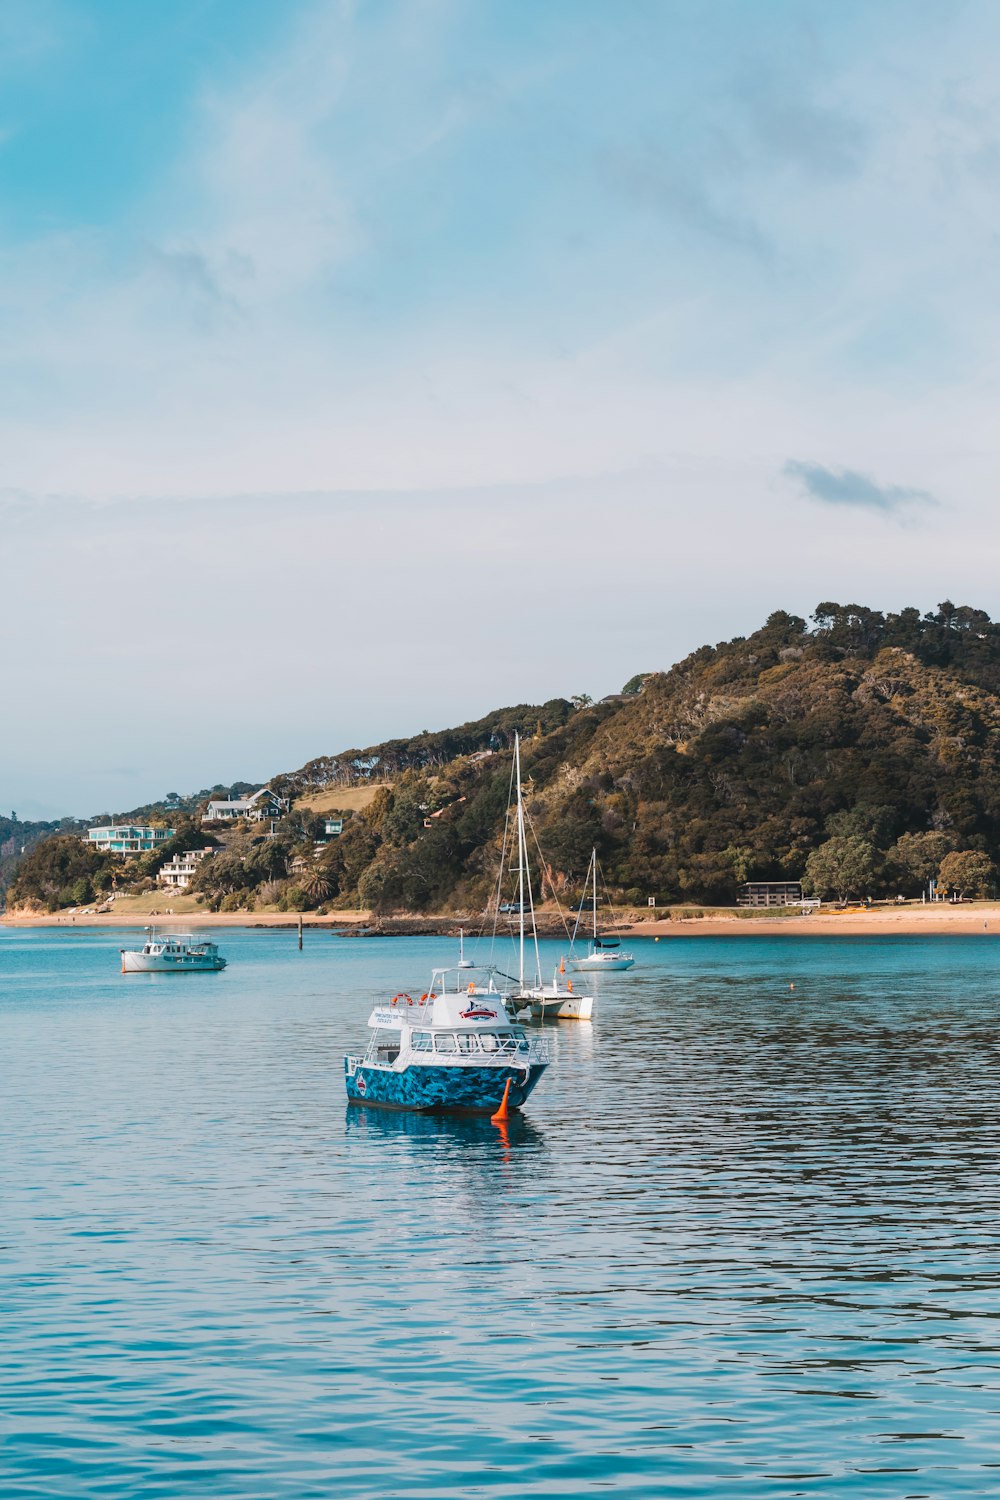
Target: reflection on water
[{"x": 743, "y": 1240}]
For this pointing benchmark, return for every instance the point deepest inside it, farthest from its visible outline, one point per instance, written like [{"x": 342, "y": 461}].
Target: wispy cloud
[
  {"x": 849, "y": 487},
  {"x": 810, "y": 137},
  {"x": 654, "y": 178}
]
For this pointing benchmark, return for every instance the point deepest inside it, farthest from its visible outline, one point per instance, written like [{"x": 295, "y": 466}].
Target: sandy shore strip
[
  {"x": 966, "y": 918},
  {"x": 179, "y": 921},
  {"x": 881, "y": 921}
]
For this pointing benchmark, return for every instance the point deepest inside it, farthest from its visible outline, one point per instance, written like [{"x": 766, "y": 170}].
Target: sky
[{"x": 365, "y": 366}]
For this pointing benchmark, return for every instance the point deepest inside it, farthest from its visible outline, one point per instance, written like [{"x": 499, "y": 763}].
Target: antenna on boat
[{"x": 463, "y": 962}]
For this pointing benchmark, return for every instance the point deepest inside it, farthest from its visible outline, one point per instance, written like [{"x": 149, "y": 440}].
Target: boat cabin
[{"x": 467, "y": 1022}]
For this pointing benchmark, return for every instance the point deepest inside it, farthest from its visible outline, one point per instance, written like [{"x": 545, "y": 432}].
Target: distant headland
[{"x": 852, "y": 758}]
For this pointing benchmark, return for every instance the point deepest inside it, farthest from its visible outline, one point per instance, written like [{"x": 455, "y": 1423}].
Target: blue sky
[{"x": 366, "y": 365}]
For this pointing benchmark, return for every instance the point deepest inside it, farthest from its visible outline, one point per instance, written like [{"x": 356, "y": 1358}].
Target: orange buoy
[
  {"x": 503, "y": 1113},
  {"x": 562, "y": 966}
]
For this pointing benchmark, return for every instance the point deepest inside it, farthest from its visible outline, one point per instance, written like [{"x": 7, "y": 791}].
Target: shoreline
[{"x": 966, "y": 918}]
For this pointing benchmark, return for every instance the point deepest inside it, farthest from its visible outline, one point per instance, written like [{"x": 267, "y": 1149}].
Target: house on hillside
[
  {"x": 128, "y": 838},
  {"x": 256, "y": 808},
  {"x": 178, "y": 872}
]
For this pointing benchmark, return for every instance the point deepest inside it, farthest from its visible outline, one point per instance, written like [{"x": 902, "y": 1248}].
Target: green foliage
[
  {"x": 51, "y": 874},
  {"x": 842, "y": 867},
  {"x": 918, "y": 856},
  {"x": 966, "y": 872}
]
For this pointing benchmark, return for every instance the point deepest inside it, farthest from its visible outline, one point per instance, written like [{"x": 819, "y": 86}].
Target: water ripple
[{"x": 744, "y": 1242}]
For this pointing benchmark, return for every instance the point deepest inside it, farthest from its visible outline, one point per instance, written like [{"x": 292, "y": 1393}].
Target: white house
[
  {"x": 261, "y": 805},
  {"x": 178, "y": 872}
]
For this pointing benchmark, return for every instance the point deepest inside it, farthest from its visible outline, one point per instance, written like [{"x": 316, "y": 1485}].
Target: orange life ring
[{"x": 405, "y": 998}]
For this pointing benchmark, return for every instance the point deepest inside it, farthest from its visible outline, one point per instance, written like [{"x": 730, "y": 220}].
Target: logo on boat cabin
[{"x": 478, "y": 1012}]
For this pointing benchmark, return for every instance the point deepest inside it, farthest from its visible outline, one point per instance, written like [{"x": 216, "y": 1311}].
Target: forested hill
[
  {"x": 879, "y": 732},
  {"x": 859, "y": 750},
  {"x": 16, "y": 837}
]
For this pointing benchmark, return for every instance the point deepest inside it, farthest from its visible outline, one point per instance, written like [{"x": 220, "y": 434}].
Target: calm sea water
[{"x": 745, "y": 1240}]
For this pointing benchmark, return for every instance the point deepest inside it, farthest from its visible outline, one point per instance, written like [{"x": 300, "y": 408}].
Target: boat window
[
  {"x": 445, "y": 1043},
  {"x": 467, "y": 1043},
  {"x": 487, "y": 1041},
  {"x": 420, "y": 1041}
]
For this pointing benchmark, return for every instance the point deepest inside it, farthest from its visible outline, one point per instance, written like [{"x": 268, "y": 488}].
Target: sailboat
[
  {"x": 603, "y": 953},
  {"x": 547, "y": 1002}
]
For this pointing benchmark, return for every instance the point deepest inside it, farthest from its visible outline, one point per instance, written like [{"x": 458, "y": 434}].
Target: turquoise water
[{"x": 745, "y": 1240}]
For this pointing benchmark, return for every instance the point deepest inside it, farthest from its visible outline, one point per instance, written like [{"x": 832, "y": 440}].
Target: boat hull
[
  {"x": 562, "y": 1007},
  {"x": 147, "y": 963},
  {"x": 600, "y": 965},
  {"x": 465, "y": 1090}
]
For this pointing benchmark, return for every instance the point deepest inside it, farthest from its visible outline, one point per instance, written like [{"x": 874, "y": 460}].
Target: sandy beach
[
  {"x": 967, "y": 917},
  {"x": 184, "y": 919},
  {"x": 970, "y": 917}
]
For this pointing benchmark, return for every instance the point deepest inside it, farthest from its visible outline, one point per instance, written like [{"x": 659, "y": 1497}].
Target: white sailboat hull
[
  {"x": 594, "y": 964},
  {"x": 560, "y": 1005}
]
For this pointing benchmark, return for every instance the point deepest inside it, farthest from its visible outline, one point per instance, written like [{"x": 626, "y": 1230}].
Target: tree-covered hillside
[
  {"x": 880, "y": 731},
  {"x": 16, "y": 838},
  {"x": 859, "y": 751}
]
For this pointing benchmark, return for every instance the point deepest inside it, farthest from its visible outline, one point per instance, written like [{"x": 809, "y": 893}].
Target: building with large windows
[
  {"x": 128, "y": 838},
  {"x": 178, "y": 873}
]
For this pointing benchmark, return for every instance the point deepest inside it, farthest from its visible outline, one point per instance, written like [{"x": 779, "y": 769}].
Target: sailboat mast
[
  {"x": 594, "y": 859},
  {"x": 520, "y": 855}
]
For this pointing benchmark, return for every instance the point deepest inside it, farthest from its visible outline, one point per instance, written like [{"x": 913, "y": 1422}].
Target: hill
[
  {"x": 860, "y": 751},
  {"x": 740, "y": 762}
]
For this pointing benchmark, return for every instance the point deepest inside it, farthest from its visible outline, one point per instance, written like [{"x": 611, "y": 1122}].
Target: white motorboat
[
  {"x": 554, "y": 1002},
  {"x": 172, "y": 953},
  {"x": 603, "y": 952}
]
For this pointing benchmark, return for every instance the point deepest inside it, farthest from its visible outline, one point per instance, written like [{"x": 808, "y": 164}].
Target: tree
[
  {"x": 966, "y": 871},
  {"x": 919, "y": 855},
  {"x": 581, "y": 700},
  {"x": 317, "y": 885},
  {"x": 841, "y": 867}
]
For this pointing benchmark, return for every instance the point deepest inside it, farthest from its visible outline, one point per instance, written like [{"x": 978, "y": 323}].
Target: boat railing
[
  {"x": 508, "y": 1048},
  {"x": 403, "y": 1003}
]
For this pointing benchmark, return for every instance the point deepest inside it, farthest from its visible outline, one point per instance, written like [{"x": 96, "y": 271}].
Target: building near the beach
[
  {"x": 128, "y": 838},
  {"x": 771, "y": 893},
  {"x": 178, "y": 872}
]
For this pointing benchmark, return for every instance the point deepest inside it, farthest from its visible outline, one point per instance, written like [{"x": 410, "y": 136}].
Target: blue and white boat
[{"x": 453, "y": 1048}]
